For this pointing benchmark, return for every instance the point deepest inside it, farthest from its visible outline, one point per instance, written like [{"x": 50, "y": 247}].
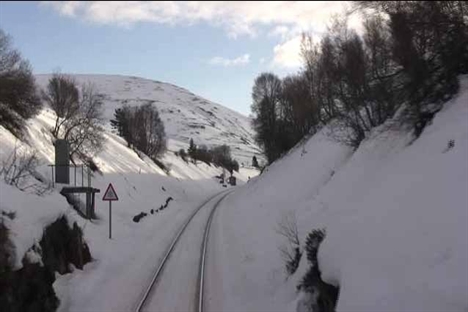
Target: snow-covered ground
[
  {"x": 395, "y": 213},
  {"x": 121, "y": 267}
]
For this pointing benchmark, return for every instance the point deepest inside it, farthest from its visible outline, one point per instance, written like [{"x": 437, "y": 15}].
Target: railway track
[{"x": 151, "y": 288}]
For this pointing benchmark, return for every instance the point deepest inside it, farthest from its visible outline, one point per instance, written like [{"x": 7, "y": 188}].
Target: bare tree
[
  {"x": 301, "y": 111},
  {"x": 429, "y": 41},
  {"x": 62, "y": 95},
  {"x": 142, "y": 128},
  {"x": 148, "y": 131},
  {"x": 79, "y": 115},
  {"x": 352, "y": 79},
  {"x": 266, "y": 94},
  {"x": 84, "y": 130}
]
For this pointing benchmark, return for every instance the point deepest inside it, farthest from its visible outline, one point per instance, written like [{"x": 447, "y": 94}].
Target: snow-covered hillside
[
  {"x": 139, "y": 182},
  {"x": 185, "y": 114},
  {"x": 395, "y": 213}
]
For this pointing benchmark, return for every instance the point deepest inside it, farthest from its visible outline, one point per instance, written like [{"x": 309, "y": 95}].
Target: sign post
[{"x": 110, "y": 195}]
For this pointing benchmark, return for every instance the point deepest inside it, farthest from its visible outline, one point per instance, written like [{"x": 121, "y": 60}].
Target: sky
[{"x": 214, "y": 49}]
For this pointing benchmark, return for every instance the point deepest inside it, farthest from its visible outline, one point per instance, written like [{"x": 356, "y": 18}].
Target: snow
[
  {"x": 139, "y": 185},
  {"x": 395, "y": 213},
  {"x": 185, "y": 115},
  {"x": 176, "y": 289},
  {"x": 121, "y": 267},
  {"x": 27, "y": 227}
]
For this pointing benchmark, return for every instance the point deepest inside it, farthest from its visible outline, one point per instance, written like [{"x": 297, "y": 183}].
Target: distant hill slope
[{"x": 185, "y": 115}]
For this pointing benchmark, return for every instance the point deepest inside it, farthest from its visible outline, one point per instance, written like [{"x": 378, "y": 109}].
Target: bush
[
  {"x": 183, "y": 154},
  {"x": 6, "y": 248},
  {"x": 325, "y": 296},
  {"x": 221, "y": 156},
  {"x": 290, "y": 250},
  {"x": 218, "y": 155},
  {"x": 11, "y": 120},
  {"x": 255, "y": 162},
  {"x": 10, "y": 215},
  {"x": 91, "y": 164},
  {"x": 192, "y": 149},
  {"x": 162, "y": 165},
  {"x": 203, "y": 154},
  {"x": 120, "y": 122},
  {"x": 234, "y": 166},
  {"x": 142, "y": 128},
  {"x": 313, "y": 241},
  {"x": 19, "y": 170},
  {"x": 18, "y": 95}
]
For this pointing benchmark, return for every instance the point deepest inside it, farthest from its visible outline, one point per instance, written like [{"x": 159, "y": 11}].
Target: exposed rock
[
  {"x": 139, "y": 216},
  {"x": 61, "y": 246},
  {"x": 30, "y": 288}
]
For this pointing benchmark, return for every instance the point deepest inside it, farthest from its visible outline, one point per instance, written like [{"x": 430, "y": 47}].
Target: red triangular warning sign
[{"x": 110, "y": 193}]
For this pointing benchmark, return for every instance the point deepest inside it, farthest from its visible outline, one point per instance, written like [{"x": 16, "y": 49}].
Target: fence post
[
  {"x": 89, "y": 176},
  {"x": 53, "y": 178}
]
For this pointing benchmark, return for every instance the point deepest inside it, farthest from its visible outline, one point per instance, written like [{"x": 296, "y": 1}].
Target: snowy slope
[
  {"x": 141, "y": 186},
  {"x": 119, "y": 165},
  {"x": 395, "y": 212},
  {"x": 185, "y": 115}
]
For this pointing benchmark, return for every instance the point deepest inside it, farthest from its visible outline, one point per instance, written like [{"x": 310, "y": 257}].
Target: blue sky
[{"x": 213, "y": 49}]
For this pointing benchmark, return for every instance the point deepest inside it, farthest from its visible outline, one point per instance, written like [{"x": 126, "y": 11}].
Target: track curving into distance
[{"x": 143, "y": 302}]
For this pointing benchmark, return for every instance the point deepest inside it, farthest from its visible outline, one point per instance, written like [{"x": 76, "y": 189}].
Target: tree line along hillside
[
  {"x": 218, "y": 155},
  {"x": 404, "y": 66}
]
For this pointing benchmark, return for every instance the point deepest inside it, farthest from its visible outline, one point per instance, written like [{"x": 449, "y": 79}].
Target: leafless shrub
[
  {"x": 19, "y": 170},
  {"x": 182, "y": 154},
  {"x": 290, "y": 250},
  {"x": 10, "y": 215}
]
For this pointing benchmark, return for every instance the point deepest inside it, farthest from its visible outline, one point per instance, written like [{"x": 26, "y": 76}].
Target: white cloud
[
  {"x": 283, "y": 19},
  {"x": 287, "y": 54},
  {"x": 241, "y": 60},
  {"x": 262, "y": 60},
  {"x": 238, "y": 18},
  {"x": 281, "y": 31},
  {"x": 68, "y": 8}
]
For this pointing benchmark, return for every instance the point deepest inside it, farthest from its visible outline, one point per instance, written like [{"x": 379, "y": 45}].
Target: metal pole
[
  {"x": 110, "y": 219},
  {"x": 93, "y": 206},
  {"x": 88, "y": 204},
  {"x": 75, "y": 175},
  {"x": 53, "y": 178},
  {"x": 82, "y": 176}
]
